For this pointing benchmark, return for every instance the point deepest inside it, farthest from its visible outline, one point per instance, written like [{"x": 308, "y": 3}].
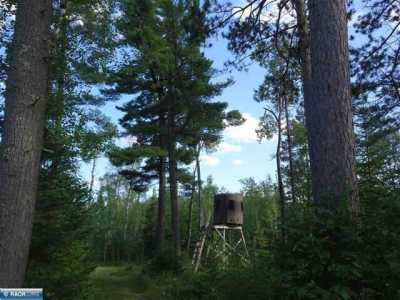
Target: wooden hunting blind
[
  {"x": 223, "y": 239},
  {"x": 228, "y": 209}
]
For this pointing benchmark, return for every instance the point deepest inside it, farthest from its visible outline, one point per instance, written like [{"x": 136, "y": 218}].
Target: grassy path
[{"x": 120, "y": 282}]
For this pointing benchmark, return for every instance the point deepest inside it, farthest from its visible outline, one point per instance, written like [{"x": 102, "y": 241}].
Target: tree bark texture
[
  {"x": 22, "y": 141},
  {"x": 328, "y": 107}
]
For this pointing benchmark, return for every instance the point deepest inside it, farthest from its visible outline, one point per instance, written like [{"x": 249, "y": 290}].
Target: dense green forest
[{"x": 325, "y": 226}]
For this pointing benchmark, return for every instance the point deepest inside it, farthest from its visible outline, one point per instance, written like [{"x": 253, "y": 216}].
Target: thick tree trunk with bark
[
  {"x": 22, "y": 141},
  {"x": 328, "y": 107}
]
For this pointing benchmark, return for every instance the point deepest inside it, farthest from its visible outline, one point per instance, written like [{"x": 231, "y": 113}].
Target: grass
[
  {"x": 125, "y": 283},
  {"x": 135, "y": 282}
]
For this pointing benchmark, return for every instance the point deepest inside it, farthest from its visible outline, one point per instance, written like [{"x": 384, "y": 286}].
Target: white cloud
[
  {"x": 245, "y": 133},
  {"x": 209, "y": 160},
  {"x": 237, "y": 162},
  {"x": 225, "y": 147}
]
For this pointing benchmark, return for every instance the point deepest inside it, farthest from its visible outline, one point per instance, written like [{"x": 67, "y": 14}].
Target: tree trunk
[
  {"x": 105, "y": 249},
  {"x": 199, "y": 190},
  {"x": 127, "y": 206},
  {"x": 307, "y": 171},
  {"x": 304, "y": 45},
  {"x": 305, "y": 55},
  {"x": 290, "y": 151},
  {"x": 173, "y": 183},
  {"x": 278, "y": 165},
  {"x": 160, "y": 230},
  {"x": 92, "y": 175},
  {"x": 190, "y": 214},
  {"x": 22, "y": 141},
  {"x": 328, "y": 107}
]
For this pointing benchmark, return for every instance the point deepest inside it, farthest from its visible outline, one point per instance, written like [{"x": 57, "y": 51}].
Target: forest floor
[{"x": 123, "y": 283}]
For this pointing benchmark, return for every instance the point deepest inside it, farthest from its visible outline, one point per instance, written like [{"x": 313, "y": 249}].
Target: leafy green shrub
[
  {"x": 164, "y": 261},
  {"x": 67, "y": 274}
]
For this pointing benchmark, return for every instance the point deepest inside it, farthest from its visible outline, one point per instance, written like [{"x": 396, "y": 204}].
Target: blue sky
[{"x": 240, "y": 154}]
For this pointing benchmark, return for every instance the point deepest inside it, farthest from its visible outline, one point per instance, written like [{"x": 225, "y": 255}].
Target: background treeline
[{"x": 319, "y": 230}]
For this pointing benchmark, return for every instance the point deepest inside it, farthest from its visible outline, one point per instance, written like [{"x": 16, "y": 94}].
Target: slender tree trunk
[
  {"x": 290, "y": 151},
  {"x": 127, "y": 214},
  {"x": 190, "y": 214},
  {"x": 92, "y": 175},
  {"x": 304, "y": 45},
  {"x": 161, "y": 188},
  {"x": 278, "y": 165},
  {"x": 328, "y": 112},
  {"x": 307, "y": 171},
  {"x": 199, "y": 190},
  {"x": 105, "y": 249},
  {"x": 160, "y": 231},
  {"x": 173, "y": 183},
  {"x": 305, "y": 55},
  {"x": 281, "y": 190},
  {"x": 22, "y": 141}
]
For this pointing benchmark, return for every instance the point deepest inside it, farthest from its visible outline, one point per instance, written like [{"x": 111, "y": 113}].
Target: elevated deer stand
[{"x": 224, "y": 239}]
